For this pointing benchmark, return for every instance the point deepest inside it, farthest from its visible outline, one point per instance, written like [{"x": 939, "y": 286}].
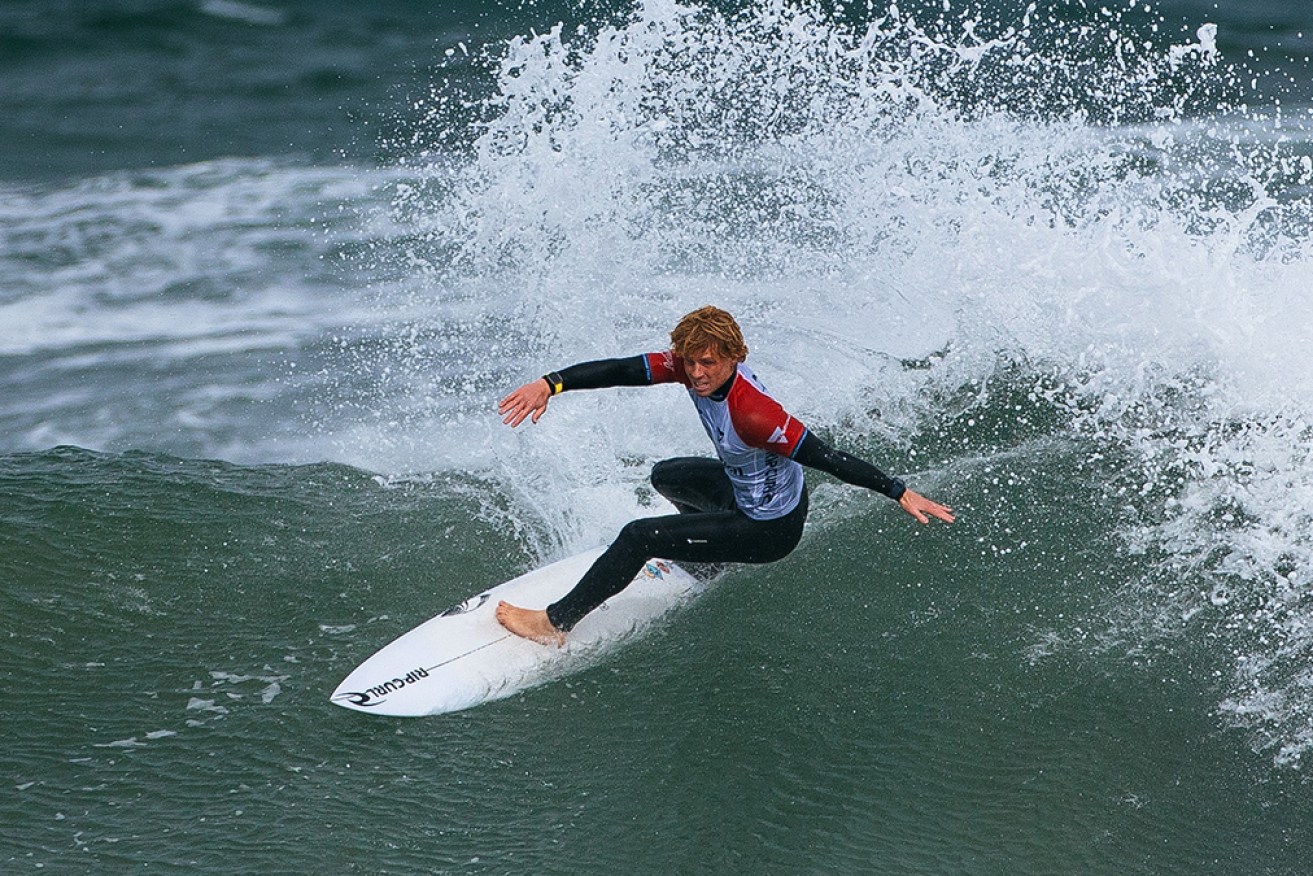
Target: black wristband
[{"x": 555, "y": 382}]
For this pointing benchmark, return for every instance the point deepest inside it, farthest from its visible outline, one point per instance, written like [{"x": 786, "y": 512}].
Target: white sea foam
[
  {"x": 1096, "y": 206},
  {"x": 204, "y": 257}
]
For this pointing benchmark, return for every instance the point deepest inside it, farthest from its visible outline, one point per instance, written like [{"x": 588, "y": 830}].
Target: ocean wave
[{"x": 1078, "y": 199}]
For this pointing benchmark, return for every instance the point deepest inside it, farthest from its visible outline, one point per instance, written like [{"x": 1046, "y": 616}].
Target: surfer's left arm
[{"x": 815, "y": 453}]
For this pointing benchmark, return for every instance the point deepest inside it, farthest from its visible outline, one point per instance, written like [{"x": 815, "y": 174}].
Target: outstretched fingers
[
  {"x": 528, "y": 401},
  {"x": 923, "y": 509}
]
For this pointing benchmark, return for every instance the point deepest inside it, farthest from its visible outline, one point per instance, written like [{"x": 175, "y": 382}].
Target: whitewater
[
  {"x": 927, "y": 224},
  {"x": 1049, "y": 263}
]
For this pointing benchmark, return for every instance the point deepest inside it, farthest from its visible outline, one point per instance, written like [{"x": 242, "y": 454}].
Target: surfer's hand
[
  {"x": 529, "y": 400},
  {"x": 923, "y": 509}
]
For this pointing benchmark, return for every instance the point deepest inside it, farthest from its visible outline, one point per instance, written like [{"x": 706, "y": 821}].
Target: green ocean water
[
  {"x": 266, "y": 268},
  {"x": 886, "y": 700}
]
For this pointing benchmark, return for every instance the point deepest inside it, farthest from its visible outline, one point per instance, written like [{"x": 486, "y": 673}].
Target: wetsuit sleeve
[
  {"x": 602, "y": 373},
  {"x": 815, "y": 453}
]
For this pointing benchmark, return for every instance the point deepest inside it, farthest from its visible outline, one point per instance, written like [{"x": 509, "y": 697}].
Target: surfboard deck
[{"x": 463, "y": 657}]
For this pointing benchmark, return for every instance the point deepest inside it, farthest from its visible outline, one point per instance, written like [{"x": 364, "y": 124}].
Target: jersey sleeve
[
  {"x": 762, "y": 422},
  {"x": 665, "y": 368}
]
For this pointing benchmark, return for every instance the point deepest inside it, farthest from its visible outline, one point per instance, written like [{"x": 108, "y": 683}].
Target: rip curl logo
[
  {"x": 469, "y": 605},
  {"x": 378, "y": 693}
]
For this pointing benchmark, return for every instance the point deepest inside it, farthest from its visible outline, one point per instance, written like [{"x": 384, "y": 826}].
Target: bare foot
[{"x": 530, "y": 624}]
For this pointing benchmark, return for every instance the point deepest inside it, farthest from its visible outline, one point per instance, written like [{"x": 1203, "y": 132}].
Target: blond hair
[{"x": 708, "y": 328}]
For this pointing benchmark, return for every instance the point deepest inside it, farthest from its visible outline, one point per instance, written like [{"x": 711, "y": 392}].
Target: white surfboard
[{"x": 464, "y": 657}]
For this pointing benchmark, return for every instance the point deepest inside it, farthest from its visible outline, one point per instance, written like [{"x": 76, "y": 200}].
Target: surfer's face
[{"x": 708, "y": 370}]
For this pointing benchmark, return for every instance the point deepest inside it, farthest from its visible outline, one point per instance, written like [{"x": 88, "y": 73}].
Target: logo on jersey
[{"x": 779, "y": 436}]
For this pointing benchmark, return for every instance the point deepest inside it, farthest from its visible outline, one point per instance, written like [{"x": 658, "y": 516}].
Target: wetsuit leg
[
  {"x": 694, "y": 483},
  {"x": 709, "y": 537}
]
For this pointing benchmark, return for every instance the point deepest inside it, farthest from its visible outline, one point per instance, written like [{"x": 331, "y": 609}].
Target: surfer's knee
[
  {"x": 692, "y": 483},
  {"x": 635, "y": 540},
  {"x": 665, "y": 475}
]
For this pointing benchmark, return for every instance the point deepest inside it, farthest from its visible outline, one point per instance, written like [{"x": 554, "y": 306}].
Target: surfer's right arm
[{"x": 530, "y": 400}]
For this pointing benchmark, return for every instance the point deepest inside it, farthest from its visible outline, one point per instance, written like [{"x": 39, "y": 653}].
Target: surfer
[{"x": 748, "y": 506}]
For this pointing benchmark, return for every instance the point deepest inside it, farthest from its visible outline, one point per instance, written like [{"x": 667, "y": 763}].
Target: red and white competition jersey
[{"x": 753, "y": 434}]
